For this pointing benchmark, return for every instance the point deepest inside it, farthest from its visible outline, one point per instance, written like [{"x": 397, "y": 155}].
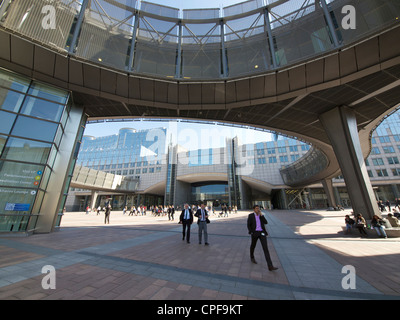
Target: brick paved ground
[{"x": 144, "y": 257}]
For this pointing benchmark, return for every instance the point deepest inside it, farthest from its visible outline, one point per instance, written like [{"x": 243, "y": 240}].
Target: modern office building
[
  {"x": 295, "y": 67},
  {"x": 236, "y": 174}
]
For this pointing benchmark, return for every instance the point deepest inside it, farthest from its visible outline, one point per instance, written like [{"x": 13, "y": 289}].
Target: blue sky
[{"x": 188, "y": 134}]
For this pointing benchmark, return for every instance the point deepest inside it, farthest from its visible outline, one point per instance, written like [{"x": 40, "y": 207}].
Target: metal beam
[
  {"x": 223, "y": 49},
  {"x": 133, "y": 43},
  {"x": 330, "y": 23},
  {"x": 78, "y": 26},
  {"x": 179, "y": 53},
  {"x": 271, "y": 40}
]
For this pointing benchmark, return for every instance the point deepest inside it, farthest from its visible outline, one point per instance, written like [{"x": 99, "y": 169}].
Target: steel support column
[
  {"x": 341, "y": 127},
  {"x": 330, "y": 23},
  {"x": 178, "y": 70},
  {"x": 270, "y": 38},
  {"x": 133, "y": 43},
  {"x": 223, "y": 51},
  {"x": 78, "y": 26}
]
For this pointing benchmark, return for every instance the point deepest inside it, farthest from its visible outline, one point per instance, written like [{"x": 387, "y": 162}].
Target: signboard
[
  {"x": 17, "y": 206},
  {"x": 17, "y": 175}
]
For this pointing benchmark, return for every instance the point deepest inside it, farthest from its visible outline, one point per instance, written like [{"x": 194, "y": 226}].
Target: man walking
[
  {"x": 107, "y": 214},
  {"x": 202, "y": 216},
  {"x": 256, "y": 225},
  {"x": 186, "y": 219}
]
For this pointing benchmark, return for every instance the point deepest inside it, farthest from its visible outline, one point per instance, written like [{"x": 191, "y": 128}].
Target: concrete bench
[{"x": 390, "y": 232}]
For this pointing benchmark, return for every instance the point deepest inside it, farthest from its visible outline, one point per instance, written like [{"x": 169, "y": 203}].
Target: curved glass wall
[
  {"x": 32, "y": 122},
  {"x": 306, "y": 167},
  {"x": 245, "y": 39}
]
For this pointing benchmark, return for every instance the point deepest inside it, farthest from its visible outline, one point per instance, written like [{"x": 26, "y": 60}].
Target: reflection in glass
[
  {"x": 10, "y": 100},
  {"x": 210, "y": 192},
  {"x": 49, "y": 93},
  {"x": 42, "y": 109},
  {"x": 16, "y": 200},
  {"x": 12, "y": 81},
  {"x": 16, "y": 174},
  {"x": 34, "y": 129},
  {"x": 6, "y": 121},
  {"x": 26, "y": 150}
]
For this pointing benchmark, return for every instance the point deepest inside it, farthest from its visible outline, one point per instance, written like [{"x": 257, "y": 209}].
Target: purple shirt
[{"x": 258, "y": 223}]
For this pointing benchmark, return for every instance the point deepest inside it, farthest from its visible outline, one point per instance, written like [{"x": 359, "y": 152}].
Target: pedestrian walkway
[{"x": 144, "y": 257}]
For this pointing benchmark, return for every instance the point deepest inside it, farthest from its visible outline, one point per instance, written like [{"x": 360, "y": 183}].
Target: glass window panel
[
  {"x": 10, "y": 100},
  {"x": 301, "y": 34},
  {"x": 34, "y": 129},
  {"x": 27, "y": 17},
  {"x": 106, "y": 33},
  {"x": 59, "y": 136},
  {"x": 42, "y": 109},
  {"x": 26, "y": 150},
  {"x": 52, "y": 156},
  {"x": 16, "y": 201},
  {"x": 16, "y": 174},
  {"x": 201, "y": 61},
  {"x": 2, "y": 142},
  {"x": 371, "y": 15},
  {"x": 155, "y": 59},
  {"x": 12, "y": 81},
  {"x": 48, "y": 92},
  {"x": 156, "y": 47},
  {"x": 6, "y": 121}
]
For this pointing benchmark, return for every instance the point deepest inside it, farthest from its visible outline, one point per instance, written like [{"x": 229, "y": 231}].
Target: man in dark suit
[
  {"x": 202, "y": 216},
  {"x": 186, "y": 218},
  {"x": 256, "y": 225}
]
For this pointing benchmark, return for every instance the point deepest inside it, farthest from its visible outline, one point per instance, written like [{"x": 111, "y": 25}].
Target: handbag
[{"x": 207, "y": 220}]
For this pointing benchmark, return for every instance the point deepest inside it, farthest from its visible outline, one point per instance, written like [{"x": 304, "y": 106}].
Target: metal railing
[{"x": 245, "y": 39}]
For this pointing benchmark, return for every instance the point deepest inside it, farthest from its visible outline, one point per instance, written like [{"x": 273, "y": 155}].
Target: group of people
[
  {"x": 139, "y": 211},
  {"x": 377, "y": 223},
  {"x": 186, "y": 219},
  {"x": 256, "y": 222},
  {"x": 385, "y": 206}
]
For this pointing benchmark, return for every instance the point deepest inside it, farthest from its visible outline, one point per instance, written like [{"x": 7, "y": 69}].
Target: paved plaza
[{"x": 144, "y": 258}]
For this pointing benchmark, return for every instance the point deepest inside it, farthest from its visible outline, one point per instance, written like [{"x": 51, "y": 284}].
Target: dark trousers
[
  {"x": 186, "y": 229},
  {"x": 263, "y": 239}
]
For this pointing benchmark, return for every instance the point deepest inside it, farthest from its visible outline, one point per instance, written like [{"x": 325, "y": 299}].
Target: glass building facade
[
  {"x": 217, "y": 175},
  {"x": 125, "y": 153},
  {"x": 33, "y": 120}
]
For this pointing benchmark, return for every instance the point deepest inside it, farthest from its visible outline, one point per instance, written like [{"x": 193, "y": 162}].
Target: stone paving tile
[
  {"x": 374, "y": 259},
  {"x": 10, "y": 256},
  {"x": 149, "y": 261}
]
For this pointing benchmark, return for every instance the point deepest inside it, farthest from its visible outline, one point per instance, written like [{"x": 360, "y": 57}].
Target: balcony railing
[{"x": 245, "y": 39}]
